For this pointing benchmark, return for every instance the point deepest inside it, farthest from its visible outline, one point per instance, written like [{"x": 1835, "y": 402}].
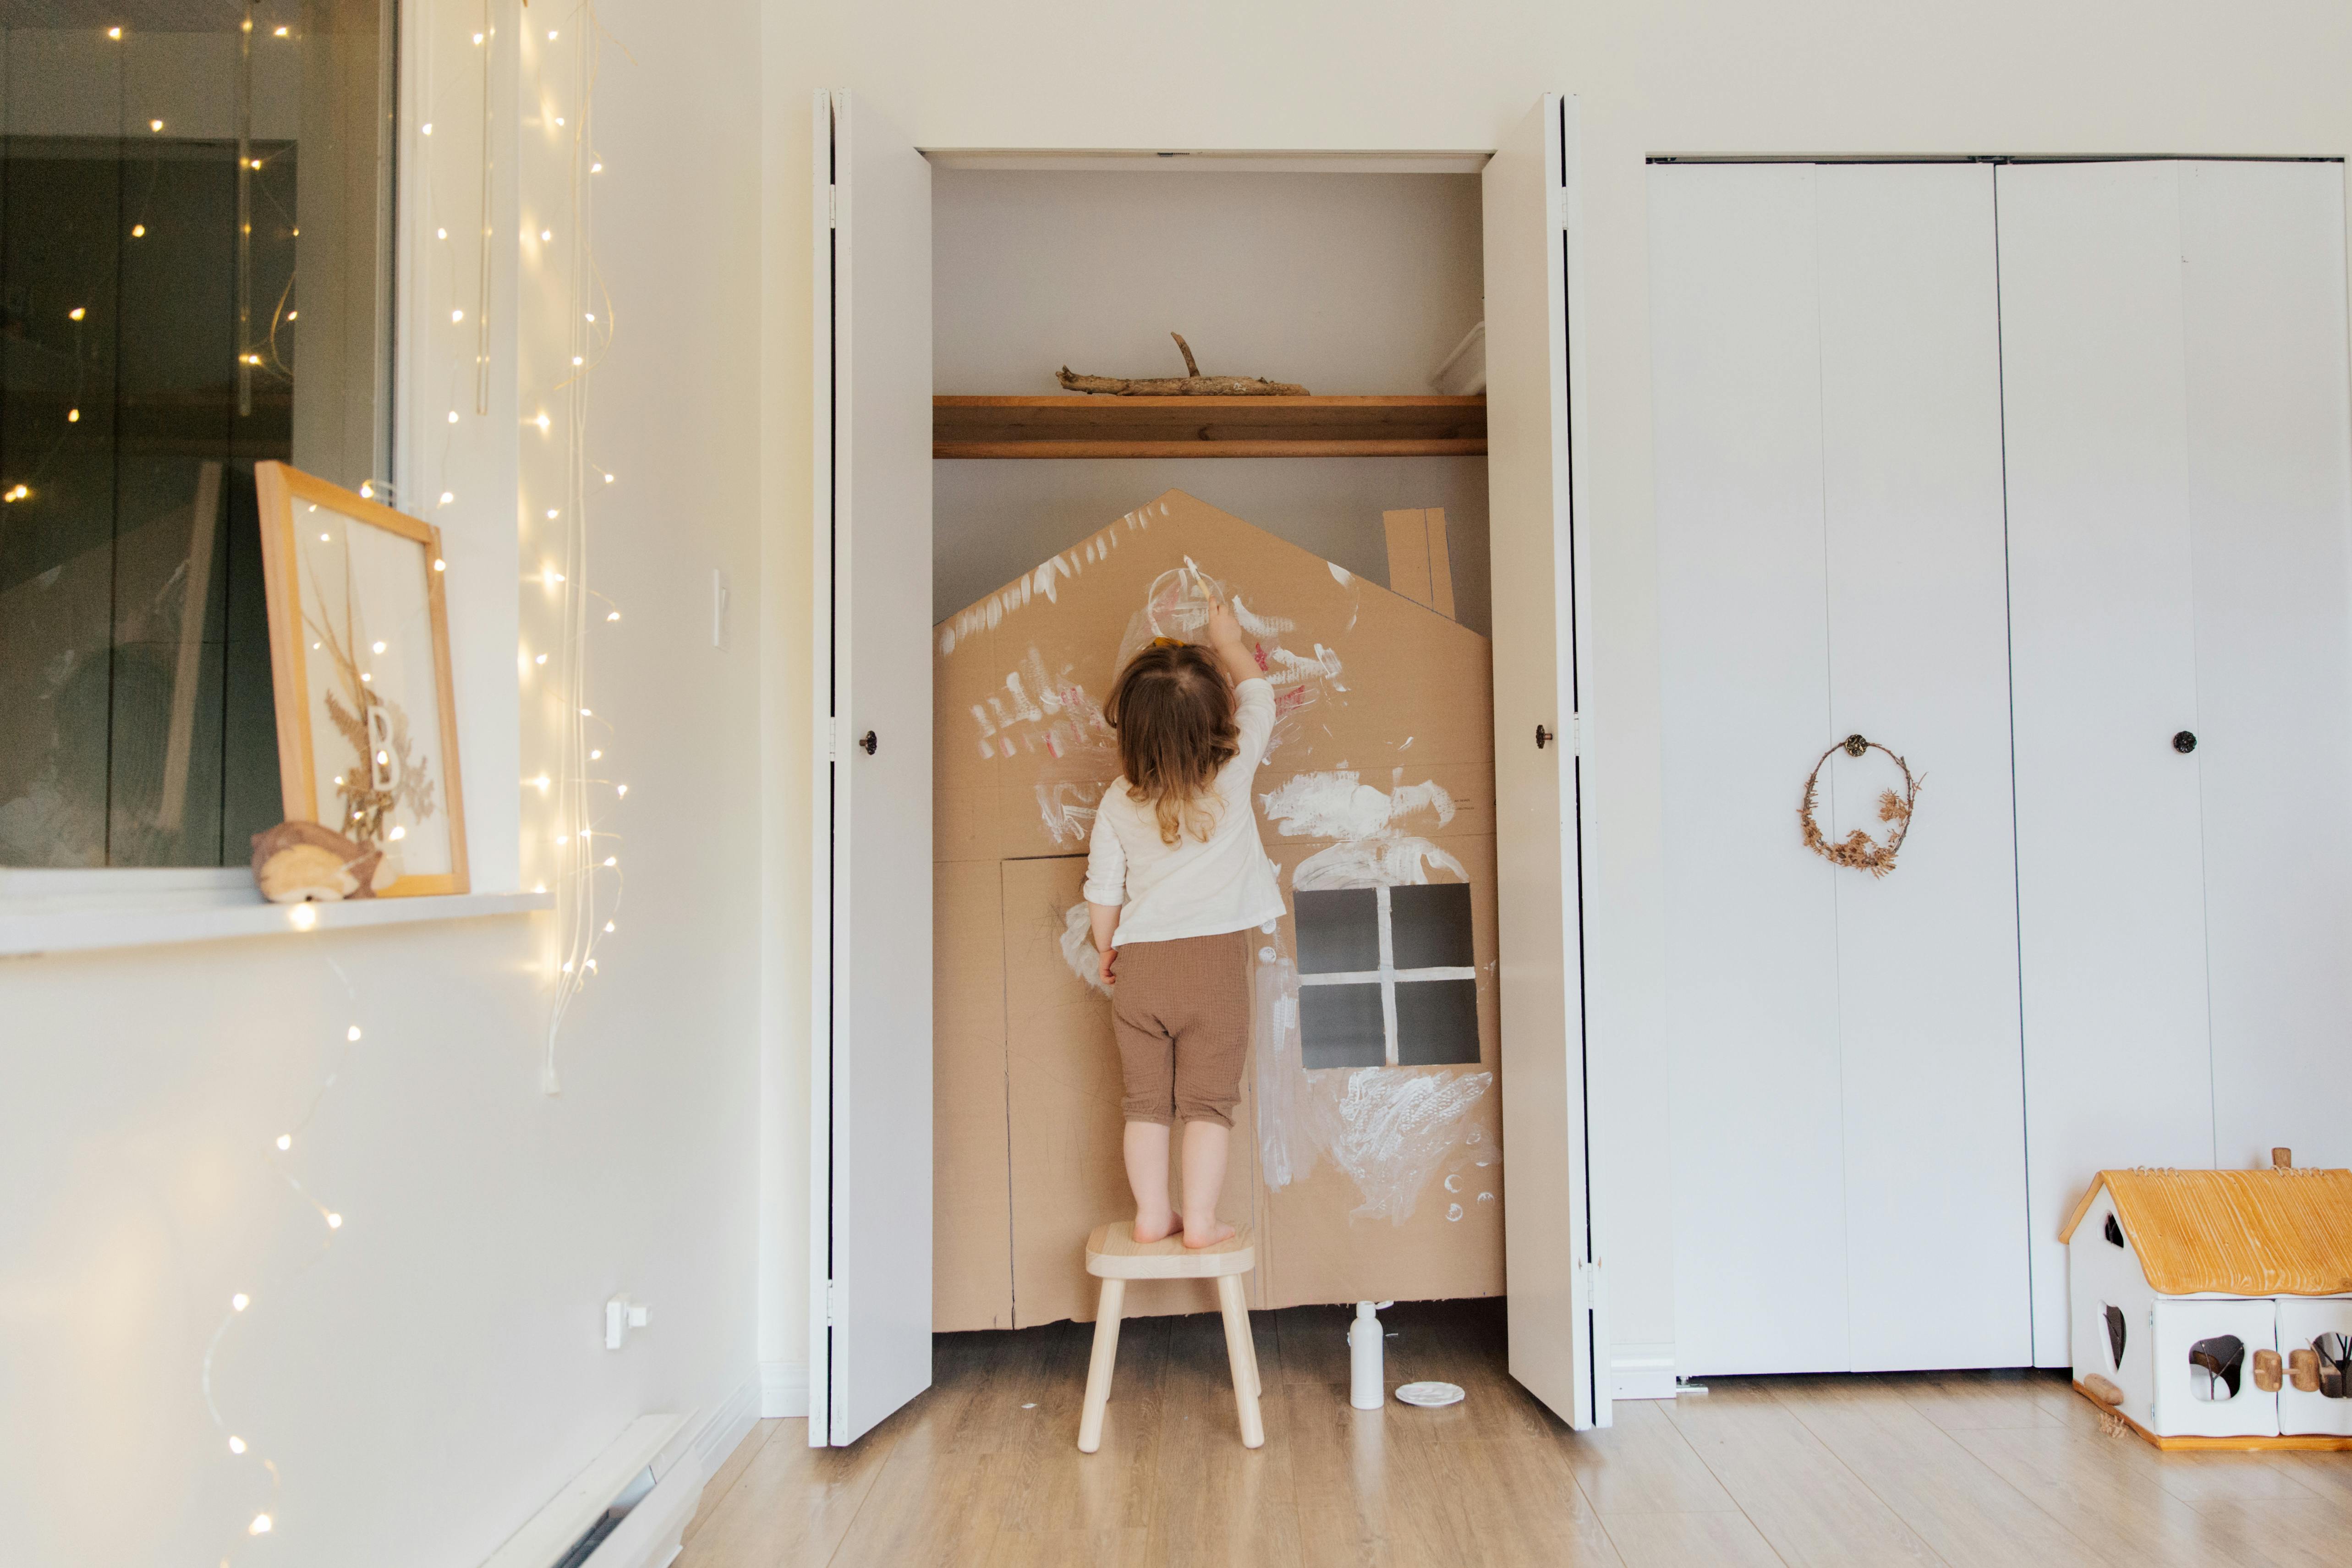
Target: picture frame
[{"x": 358, "y": 655}]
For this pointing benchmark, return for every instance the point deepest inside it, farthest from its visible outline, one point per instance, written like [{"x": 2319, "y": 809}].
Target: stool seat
[
  {"x": 1114, "y": 1257},
  {"x": 1113, "y": 1253}
]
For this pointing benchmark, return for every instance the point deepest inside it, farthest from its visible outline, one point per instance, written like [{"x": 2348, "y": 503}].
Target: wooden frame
[{"x": 280, "y": 490}]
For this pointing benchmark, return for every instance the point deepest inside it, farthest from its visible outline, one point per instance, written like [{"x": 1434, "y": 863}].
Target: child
[{"x": 1176, "y": 880}]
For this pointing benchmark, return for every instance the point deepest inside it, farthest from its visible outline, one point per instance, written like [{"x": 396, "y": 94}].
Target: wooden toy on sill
[{"x": 2213, "y": 1309}]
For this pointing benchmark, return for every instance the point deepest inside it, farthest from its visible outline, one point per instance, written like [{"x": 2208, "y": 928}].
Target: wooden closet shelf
[{"x": 1208, "y": 426}]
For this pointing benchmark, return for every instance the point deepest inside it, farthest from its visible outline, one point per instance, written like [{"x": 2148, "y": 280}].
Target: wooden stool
[{"x": 1114, "y": 1257}]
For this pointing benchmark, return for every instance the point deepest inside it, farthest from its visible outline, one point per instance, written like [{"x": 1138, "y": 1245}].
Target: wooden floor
[{"x": 2005, "y": 1468}]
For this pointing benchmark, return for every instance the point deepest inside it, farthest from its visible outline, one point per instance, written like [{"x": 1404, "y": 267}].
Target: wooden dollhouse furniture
[
  {"x": 1114, "y": 1257},
  {"x": 2213, "y": 1309}
]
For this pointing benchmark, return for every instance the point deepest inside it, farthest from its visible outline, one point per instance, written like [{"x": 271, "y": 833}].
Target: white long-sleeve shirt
[{"x": 1193, "y": 887}]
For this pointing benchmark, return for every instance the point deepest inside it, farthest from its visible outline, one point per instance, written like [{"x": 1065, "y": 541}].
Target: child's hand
[
  {"x": 1109, "y": 955},
  {"x": 1225, "y": 639},
  {"x": 1224, "y": 629}
]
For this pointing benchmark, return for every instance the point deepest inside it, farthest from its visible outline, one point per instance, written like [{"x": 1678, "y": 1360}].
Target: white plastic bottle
[{"x": 1366, "y": 1387}]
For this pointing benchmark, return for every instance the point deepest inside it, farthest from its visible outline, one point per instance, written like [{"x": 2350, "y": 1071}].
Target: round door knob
[
  {"x": 2184, "y": 742},
  {"x": 870, "y": 742},
  {"x": 1543, "y": 737}
]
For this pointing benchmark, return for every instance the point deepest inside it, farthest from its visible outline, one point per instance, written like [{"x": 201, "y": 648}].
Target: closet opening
[{"x": 1347, "y": 516}]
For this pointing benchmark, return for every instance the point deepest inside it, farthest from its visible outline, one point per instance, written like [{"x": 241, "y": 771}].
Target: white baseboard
[
  {"x": 1642, "y": 1372},
  {"x": 727, "y": 1427},
  {"x": 784, "y": 1389}
]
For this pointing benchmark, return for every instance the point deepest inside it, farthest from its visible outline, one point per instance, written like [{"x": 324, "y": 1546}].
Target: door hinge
[
  {"x": 828, "y": 735},
  {"x": 1556, "y": 207},
  {"x": 832, "y": 207},
  {"x": 832, "y": 1301},
  {"x": 1588, "y": 1283}
]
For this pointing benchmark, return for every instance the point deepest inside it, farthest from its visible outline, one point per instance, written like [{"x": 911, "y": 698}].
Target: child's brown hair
[{"x": 1173, "y": 713}]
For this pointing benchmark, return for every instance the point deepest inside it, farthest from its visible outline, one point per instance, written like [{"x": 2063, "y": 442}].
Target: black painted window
[{"x": 1387, "y": 976}]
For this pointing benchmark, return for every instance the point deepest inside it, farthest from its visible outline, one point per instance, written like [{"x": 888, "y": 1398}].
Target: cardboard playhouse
[
  {"x": 2213, "y": 1309},
  {"x": 1366, "y": 1151}
]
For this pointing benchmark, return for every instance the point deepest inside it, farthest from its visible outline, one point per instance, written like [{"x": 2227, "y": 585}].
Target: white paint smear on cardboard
[
  {"x": 1339, "y": 804},
  {"x": 1389, "y": 1128},
  {"x": 1068, "y": 816},
  {"x": 1385, "y": 860}
]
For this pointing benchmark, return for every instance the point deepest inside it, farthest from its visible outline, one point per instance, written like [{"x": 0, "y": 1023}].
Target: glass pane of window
[
  {"x": 1431, "y": 926},
  {"x": 195, "y": 277},
  {"x": 1338, "y": 931},
  {"x": 1437, "y": 1022},
  {"x": 1341, "y": 1027}
]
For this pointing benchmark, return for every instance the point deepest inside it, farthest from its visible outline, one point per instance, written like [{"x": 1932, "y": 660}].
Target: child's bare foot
[
  {"x": 1216, "y": 1232},
  {"x": 1159, "y": 1229}
]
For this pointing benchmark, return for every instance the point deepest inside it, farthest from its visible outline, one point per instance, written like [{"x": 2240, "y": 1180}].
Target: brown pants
[{"x": 1181, "y": 1009}]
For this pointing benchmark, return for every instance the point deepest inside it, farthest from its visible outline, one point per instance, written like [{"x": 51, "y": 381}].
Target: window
[
  {"x": 1387, "y": 976},
  {"x": 195, "y": 277}
]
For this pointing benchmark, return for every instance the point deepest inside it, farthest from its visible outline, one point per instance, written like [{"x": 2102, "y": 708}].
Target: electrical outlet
[{"x": 621, "y": 1315}]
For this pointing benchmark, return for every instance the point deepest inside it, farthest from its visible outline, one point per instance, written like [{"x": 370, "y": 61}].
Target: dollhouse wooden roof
[{"x": 2284, "y": 1232}]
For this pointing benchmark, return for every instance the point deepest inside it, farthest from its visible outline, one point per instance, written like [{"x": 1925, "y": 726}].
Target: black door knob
[
  {"x": 2184, "y": 742},
  {"x": 870, "y": 742}
]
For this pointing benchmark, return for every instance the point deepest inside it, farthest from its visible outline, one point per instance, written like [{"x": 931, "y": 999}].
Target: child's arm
[
  {"x": 1106, "y": 922},
  {"x": 1225, "y": 640},
  {"x": 1105, "y": 880}
]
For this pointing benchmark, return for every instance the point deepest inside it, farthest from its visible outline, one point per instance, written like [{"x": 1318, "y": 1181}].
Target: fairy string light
[
  {"x": 282, "y": 1157},
  {"x": 587, "y": 871},
  {"x": 588, "y": 880}
]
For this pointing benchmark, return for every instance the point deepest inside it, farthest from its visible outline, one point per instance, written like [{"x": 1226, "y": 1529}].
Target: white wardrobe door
[
  {"x": 2269, "y": 477},
  {"x": 1919, "y": 659},
  {"x": 2110, "y": 884},
  {"x": 1752, "y": 1011}
]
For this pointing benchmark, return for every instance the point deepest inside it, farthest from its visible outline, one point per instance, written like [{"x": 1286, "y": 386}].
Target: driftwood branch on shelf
[{"x": 1192, "y": 384}]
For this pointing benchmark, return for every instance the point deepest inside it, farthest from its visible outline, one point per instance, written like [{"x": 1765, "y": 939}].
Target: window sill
[{"x": 82, "y": 923}]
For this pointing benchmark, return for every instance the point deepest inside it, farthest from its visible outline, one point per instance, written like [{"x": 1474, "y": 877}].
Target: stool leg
[
  {"x": 1090, "y": 1417},
  {"x": 1257, "y": 1383},
  {"x": 1242, "y": 1354}
]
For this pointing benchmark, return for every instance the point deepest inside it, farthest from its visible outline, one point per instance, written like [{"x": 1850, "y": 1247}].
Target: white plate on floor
[{"x": 1431, "y": 1396}]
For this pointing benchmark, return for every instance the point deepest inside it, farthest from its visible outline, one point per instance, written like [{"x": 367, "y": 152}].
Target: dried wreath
[{"x": 1858, "y": 850}]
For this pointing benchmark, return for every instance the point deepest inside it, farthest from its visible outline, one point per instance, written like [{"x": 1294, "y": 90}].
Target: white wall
[
  {"x": 1348, "y": 284},
  {"x": 432, "y": 1378},
  {"x": 1685, "y": 76}
]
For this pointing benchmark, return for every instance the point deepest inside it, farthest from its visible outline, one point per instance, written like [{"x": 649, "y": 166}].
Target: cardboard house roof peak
[{"x": 1062, "y": 572}]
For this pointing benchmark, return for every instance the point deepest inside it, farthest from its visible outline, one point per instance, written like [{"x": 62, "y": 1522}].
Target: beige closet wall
[{"x": 1700, "y": 76}]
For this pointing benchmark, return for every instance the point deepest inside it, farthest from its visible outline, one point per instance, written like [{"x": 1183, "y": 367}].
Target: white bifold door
[
  {"x": 2041, "y": 476},
  {"x": 2180, "y": 519},
  {"x": 870, "y": 1082},
  {"x": 1559, "y": 1333},
  {"x": 1848, "y": 1169}
]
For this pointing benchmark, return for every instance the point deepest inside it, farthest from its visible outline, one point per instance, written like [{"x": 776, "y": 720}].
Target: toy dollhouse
[{"x": 2213, "y": 1309}]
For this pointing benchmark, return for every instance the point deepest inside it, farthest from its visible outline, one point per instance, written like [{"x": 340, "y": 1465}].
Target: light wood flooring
[{"x": 2005, "y": 1468}]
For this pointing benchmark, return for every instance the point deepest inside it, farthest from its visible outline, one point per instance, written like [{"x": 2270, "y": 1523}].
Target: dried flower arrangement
[
  {"x": 1857, "y": 849},
  {"x": 385, "y": 771}
]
